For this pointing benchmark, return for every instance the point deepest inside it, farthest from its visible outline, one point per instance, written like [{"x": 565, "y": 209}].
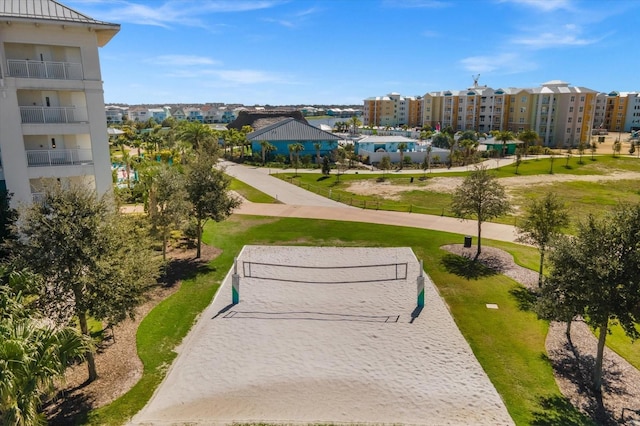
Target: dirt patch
[
  {"x": 119, "y": 367},
  {"x": 448, "y": 185}
]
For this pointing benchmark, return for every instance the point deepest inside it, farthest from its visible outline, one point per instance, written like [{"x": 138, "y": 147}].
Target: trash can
[{"x": 467, "y": 241}]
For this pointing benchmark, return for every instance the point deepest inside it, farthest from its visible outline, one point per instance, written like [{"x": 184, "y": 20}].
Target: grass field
[
  {"x": 580, "y": 197},
  {"x": 509, "y": 342}
]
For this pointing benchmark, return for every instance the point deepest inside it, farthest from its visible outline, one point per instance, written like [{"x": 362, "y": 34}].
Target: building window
[
  {"x": 581, "y": 98},
  {"x": 568, "y": 130},
  {"x": 523, "y": 109},
  {"x": 579, "y": 119},
  {"x": 521, "y": 120},
  {"x": 570, "y": 109},
  {"x": 569, "y": 120},
  {"x": 580, "y": 109},
  {"x": 573, "y": 99},
  {"x": 524, "y": 99}
]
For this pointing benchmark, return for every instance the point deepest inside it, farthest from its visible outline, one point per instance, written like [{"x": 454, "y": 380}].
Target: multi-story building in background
[
  {"x": 632, "y": 119},
  {"x": 392, "y": 110},
  {"x": 561, "y": 114},
  {"x": 52, "y": 113}
]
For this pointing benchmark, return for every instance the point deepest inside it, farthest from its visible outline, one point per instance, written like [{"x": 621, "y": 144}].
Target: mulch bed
[{"x": 119, "y": 367}]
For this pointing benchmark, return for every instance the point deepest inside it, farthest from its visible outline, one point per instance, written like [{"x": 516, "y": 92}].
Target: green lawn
[
  {"x": 623, "y": 346},
  {"x": 250, "y": 193},
  {"x": 509, "y": 342},
  {"x": 580, "y": 197}
]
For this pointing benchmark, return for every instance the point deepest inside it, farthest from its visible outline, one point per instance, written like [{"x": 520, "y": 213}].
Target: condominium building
[
  {"x": 559, "y": 113},
  {"x": 632, "y": 119},
  {"x": 52, "y": 114},
  {"x": 392, "y": 110}
]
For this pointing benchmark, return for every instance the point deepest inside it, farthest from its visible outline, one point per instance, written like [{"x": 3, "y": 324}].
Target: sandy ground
[
  {"x": 391, "y": 190},
  {"x": 343, "y": 346}
]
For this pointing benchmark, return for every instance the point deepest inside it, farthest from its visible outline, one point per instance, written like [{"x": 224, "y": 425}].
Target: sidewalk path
[{"x": 300, "y": 203}]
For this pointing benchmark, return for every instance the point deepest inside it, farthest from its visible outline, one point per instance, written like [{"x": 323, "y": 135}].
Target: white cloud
[
  {"x": 294, "y": 20},
  {"x": 240, "y": 77},
  {"x": 248, "y": 76},
  {"x": 569, "y": 35},
  {"x": 172, "y": 12},
  {"x": 430, "y": 34},
  {"x": 543, "y": 5},
  {"x": 506, "y": 63},
  {"x": 416, "y": 4},
  {"x": 182, "y": 60}
]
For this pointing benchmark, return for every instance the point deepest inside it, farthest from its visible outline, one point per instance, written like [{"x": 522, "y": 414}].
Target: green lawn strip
[
  {"x": 509, "y": 342},
  {"x": 251, "y": 193},
  {"x": 526, "y": 256},
  {"x": 159, "y": 333},
  {"x": 583, "y": 198},
  {"x": 624, "y": 346}
]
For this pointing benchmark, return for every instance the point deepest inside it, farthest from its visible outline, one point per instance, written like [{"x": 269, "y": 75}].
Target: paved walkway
[{"x": 300, "y": 203}]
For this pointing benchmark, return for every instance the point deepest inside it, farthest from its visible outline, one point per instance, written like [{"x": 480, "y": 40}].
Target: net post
[
  {"x": 235, "y": 283},
  {"x": 420, "y": 285}
]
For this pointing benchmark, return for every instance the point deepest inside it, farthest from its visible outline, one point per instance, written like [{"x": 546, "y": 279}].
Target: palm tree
[
  {"x": 469, "y": 146},
  {"x": 504, "y": 136},
  {"x": 402, "y": 147},
  {"x": 355, "y": 123},
  {"x": 242, "y": 138},
  {"x": 294, "y": 154},
  {"x": 127, "y": 161},
  {"x": 196, "y": 133},
  {"x": 349, "y": 151},
  {"x": 33, "y": 353},
  {"x": 317, "y": 146},
  {"x": 529, "y": 137},
  {"x": 266, "y": 147}
]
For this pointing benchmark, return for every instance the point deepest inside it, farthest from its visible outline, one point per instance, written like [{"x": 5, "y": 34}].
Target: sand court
[{"x": 336, "y": 339}]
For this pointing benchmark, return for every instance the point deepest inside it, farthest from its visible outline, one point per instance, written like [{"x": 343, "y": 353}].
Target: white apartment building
[
  {"x": 632, "y": 120},
  {"x": 52, "y": 113}
]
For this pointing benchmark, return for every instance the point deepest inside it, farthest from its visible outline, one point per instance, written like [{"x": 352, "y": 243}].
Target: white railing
[
  {"x": 58, "y": 157},
  {"x": 44, "y": 69},
  {"x": 38, "y": 114}
]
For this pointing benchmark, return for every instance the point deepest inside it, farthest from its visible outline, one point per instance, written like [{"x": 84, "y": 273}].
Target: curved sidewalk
[{"x": 300, "y": 203}]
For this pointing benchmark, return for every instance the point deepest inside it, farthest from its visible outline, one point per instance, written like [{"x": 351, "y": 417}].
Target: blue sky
[{"x": 307, "y": 52}]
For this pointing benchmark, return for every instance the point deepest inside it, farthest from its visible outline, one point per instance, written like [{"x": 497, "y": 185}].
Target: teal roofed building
[{"x": 291, "y": 131}]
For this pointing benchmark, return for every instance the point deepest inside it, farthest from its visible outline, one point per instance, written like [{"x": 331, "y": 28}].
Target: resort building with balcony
[
  {"x": 561, "y": 114},
  {"x": 392, "y": 110},
  {"x": 53, "y": 126},
  {"x": 116, "y": 114},
  {"x": 632, "y": 118}
]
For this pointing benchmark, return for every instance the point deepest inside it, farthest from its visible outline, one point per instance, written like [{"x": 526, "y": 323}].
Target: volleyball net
[{"x": 325, "y": 274}]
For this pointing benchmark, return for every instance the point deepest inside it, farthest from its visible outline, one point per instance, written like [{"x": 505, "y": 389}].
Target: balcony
[
  {"x": 46, "y": 115},
  {"x": 58, "y": 157},
  {"x": 44, "y": 69}
]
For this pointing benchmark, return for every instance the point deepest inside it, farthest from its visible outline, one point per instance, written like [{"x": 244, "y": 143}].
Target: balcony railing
[
  {"x": 38, "y": 114},
  {"x": 58, "y": 157},
  {"x": 44, "y": 69}
]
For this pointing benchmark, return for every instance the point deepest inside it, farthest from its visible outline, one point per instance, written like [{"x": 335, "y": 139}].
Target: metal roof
[
  {"x": 291, "y": 129},
  {"x": 49, "y": 10}
]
